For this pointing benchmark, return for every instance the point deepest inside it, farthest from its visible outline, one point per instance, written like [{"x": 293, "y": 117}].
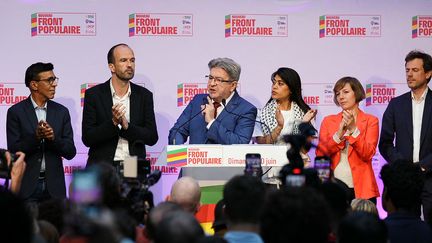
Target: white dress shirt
[
  {"x": 41, "y": 116},
  {"x": 343, "y": 170},
  {"x": 417, "y": 113},
  {"x": 122, "y": 150}
]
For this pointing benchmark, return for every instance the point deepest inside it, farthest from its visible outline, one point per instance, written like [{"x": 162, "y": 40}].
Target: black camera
[
  {"x": 135, "y": 191},
  {"x": 4, "y": 167},
  {"x": 294, "y": 174},
  {"x": 136, "y": 179}
]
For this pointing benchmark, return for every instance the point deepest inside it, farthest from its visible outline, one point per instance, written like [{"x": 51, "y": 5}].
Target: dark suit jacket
[
  {"x": 226, "y": 129},
  {"x": 405, "y": 227},
  {"x": 21, "y": 127},
  {"x": 397, "y": 122},
  {"x": 98, "y": 130}
]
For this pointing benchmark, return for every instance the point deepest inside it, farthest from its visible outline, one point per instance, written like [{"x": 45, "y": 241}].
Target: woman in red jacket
[{"x": 350, "y": 138}]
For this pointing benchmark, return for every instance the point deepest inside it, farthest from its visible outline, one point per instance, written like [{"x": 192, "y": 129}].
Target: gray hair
[{"x": 232, "y": 68}]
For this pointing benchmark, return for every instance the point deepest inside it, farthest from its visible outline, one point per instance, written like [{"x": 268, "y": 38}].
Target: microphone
[
  {"x": 262, "y": 123},
  {"x": 204, "y": 102}
]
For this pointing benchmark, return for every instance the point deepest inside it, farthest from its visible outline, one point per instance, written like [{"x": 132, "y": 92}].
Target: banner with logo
[
  {"x": 350, "y": 26},
  {"x": 256, "y": 25},
  {"x": 12, "y": 93},
  {"x": 63, "y": 24},
  {"x": 151, "y": 24},
  {"x": 422, "y": 26}
]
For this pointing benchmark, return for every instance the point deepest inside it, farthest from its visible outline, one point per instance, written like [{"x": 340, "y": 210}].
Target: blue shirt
[{"x": 243, "y": 237}]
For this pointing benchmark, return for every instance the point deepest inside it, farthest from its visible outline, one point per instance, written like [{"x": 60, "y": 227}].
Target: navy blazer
[
  {"x": 227, "y": 128},
  {"x": 406, "y": 227},
  {"x": 21, "y": 124},
  {"x": 397, "y": 122},
  {"x": 98, "y": 130}
]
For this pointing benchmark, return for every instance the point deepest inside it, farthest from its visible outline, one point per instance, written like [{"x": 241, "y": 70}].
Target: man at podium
[{"x": 222, "y": 116}]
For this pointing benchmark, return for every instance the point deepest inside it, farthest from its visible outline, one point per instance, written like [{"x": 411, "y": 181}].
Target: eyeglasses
[
  {"x": 217, "y": 80},
  {"x": 50, "y": 80}
]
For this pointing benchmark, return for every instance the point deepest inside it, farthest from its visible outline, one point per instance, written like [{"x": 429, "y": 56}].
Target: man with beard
[
  {"x": 41, "y": 128},
  {"x": 118, "y": 116},
  {"x": 406, "y": 132}
]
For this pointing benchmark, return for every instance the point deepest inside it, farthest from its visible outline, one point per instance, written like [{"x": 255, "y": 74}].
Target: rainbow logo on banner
[
  {"x": 414, "y": 26},
  {"x": 227, "y": 25},
  {"x": 368, "y": 94},
  {"x": 382, "y": 93},
  {"x": 177, "y": 157},
  {"x": 180, "y": 95},
  {"x": 34, "y": 24},
  {"x": 83, "y": 89},
  {"x": 131, "y": 25},
  {"x": 187, "y": 91},
  {"x": 322, "y": 26}
]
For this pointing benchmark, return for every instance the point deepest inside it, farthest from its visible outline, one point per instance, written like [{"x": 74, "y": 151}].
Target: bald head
[{"x": 187, "y": 193}]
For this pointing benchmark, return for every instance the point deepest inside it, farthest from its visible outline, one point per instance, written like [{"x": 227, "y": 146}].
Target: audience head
[
  {"x": 48, "y": 231},
  {"x": 219, "y": 225},
  {"x": 287, "y": 84},
  {"x": 16, "y": 223},
  {"x": 336, "y": 197},
  {"x": 53, "y": 211},
  {"x": 364, "y": 205},
  {"x": 178, "y": 227},
  {"x": 83, "y": 228},
  {"x": 244, "y": 198},
  {"x": 211, "y": 239},
  {"x": 426, "y": 62},
  {"x": 157, "y": 214},
  {"x": 348, "y": 91},
  {"x": 295, "y": 215},
  {"x": 403, "y": 184},
  {"x": 362, "y": 227},
  {"x": 187, "y": 193}
]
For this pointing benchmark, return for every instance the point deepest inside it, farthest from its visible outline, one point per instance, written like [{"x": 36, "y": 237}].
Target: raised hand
[
  {"x": 349, "y": 120},
  {"x": 279, "y": 117},
  {"x": 310, "y": 114},
  {"x": 208, "y": 111},
  {"x": 39, "y": 130},
  {"x": 48, "y": 132}
]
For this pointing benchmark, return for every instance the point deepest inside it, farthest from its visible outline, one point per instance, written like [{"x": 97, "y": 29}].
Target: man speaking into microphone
[{"x": 222, "y": 116}]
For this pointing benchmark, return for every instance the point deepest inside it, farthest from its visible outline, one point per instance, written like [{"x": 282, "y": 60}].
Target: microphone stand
[
  {"x": 262, "y": 123},
  {"x": 190, "y": 119}
]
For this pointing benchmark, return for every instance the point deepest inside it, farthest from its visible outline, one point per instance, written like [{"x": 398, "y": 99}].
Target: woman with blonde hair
[{"x": 363, "y": 205}]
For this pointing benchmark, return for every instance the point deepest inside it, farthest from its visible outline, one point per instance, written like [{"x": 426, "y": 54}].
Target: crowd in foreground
[{"x": 250, "y": 211}]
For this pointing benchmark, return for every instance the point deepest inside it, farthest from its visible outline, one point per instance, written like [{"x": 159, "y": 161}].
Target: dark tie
[{"x": 216, "y": 106}]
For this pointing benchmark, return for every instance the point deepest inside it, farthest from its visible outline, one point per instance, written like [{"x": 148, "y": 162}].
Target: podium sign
[{"x": 211, "y": 155}]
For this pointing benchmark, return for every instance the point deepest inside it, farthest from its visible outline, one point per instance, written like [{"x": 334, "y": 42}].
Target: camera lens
[{"x": 4, "y": 168}]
